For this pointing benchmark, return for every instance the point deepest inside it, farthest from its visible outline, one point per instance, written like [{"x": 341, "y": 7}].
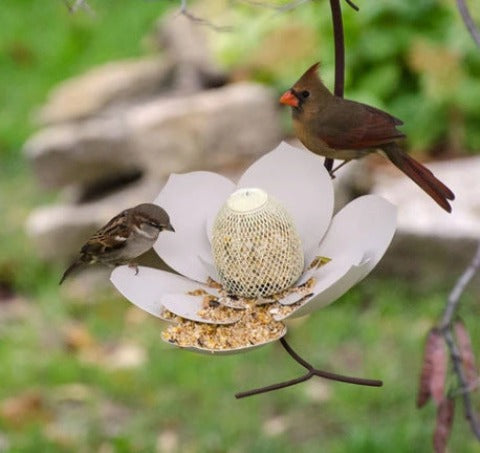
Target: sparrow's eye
[{"x": 305, "y": 94}]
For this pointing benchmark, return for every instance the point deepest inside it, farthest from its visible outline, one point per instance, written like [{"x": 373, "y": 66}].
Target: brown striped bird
[
  {"x": 337, "y": 128},
  {"x": 124, "y": 238}
]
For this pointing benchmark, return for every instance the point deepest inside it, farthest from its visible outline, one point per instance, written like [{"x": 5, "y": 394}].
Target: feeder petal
[
  {"x": 323, "y": 294},
  {"x": 146, "y": 289},
  {"x": 190, "y": 199},
  {"x": 362, "y": 230},
  {"x": 324, "y": 278},
  {"x": 299, "y": 181}
]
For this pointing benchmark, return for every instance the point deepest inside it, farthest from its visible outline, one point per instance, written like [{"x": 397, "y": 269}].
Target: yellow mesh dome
[{"x": 255, "y": 245}]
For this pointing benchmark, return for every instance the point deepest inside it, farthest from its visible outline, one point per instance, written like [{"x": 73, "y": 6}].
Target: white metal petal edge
[
  {"x": 190, "y": 199},
  {"x": 297, "y": 178}
]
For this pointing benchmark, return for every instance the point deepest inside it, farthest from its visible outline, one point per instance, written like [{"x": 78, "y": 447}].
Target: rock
[
  {"x": 432, "y": 246},
  {"x": 112, "y": 84},
  {"x": 185, "y": 43},
  {"x": 186, "y": 67},
  {"x": 80, "y": 153},
  {"x": 181, "y": 37},
  {"x": 208, "y": 130},
  {"x": 419, "y": 215},
  {"x": 58, "y": 231}
]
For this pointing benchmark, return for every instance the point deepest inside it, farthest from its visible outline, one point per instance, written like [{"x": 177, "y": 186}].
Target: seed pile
[
  {"x": 256, "y": 326},
  {"x": 250, "y": 322}
]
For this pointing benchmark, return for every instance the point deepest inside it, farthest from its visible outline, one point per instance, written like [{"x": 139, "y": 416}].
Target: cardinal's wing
[{"x": 352, "y": 125}]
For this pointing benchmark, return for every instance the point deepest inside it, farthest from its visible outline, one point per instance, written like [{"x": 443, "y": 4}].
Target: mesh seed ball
[{"x": 255, "y": 245}]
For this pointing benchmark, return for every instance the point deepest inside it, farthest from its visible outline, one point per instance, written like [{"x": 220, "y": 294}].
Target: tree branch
[
  {"x": 78, "y": 4},
  {"x": 311, "y": 372},
  {"x": 200, "y": 20},
  {"x": 352, "y": 5},
  {"x": 446, "y": 329},
  {"x": 468, "y": 21},
  {"x": 470, "y": 413},
  {"x": 457, "y": 291},
  {"x": 288, "y": 6},
  {"x": 280, "y": 8}
]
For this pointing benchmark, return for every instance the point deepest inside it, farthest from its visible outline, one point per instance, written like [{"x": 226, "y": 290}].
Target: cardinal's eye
[{"x": 305, "y": 94}]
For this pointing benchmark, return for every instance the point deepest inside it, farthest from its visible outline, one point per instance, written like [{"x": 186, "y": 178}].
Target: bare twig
[
  {"x": 352, "y": 5},
  {"x": 446, "y": 329},
  {"x": 77, "y": 5},
  {"x": 468, "y": 20},
  {"x": 454, "y": 296},
  {"x": 470, "y": 413},
  {"x": 311, "y": 372},
  {"x": 279, "y": 8},
  {"x": 200, "y": 20},
  {"x": 288, "y": 6}
]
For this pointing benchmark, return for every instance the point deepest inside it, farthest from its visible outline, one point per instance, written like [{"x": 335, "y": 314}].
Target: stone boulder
[
  {"x": 208, "y": 130},
  {"x": 185, "y": 66},
  {"x": 112, "y": 84},
  {"x": 185, "y": 43},
  {"x": 432, "y": 247},
  {"x": 80, "y": 153},
  {"x": 211, "y": 130},
  {"x": 58, "y": 231}
]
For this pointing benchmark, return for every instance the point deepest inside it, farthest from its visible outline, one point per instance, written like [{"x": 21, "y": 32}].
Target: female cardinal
[{"x": 340, "y": 129}]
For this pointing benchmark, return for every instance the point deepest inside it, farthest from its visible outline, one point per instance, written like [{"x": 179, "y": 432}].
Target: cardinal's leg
[{"x": 334, "y": 170}]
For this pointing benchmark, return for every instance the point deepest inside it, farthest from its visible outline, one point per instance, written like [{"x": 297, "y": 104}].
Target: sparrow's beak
[
  {"x": 288, "y": 98},
  {"x": 170, "y": 228}
]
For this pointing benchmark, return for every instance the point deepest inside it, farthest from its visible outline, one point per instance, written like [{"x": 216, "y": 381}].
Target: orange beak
[{"x": 288, "y": 98}]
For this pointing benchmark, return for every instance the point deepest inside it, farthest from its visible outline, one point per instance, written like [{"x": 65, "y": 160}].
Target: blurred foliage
[
  {"x": 41, "y": 43},
  {"x": 61, "y": 390},
  {"x": 414, "y": 59}
]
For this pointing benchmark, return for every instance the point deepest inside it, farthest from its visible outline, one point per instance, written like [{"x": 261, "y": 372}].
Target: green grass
[
  {"x": 41, "y": 43},
  {"x": 371, "y": 332},
  {"x": 377, "y": 330}
]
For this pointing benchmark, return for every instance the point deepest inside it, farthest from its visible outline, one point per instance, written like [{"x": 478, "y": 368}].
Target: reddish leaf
[
  {"x": 443, "y": 426},
  {"x": 434, "y": 368},
  {"x": 23, "y": 408},
  {"x": 466, "y": 353},
  {"x": 439, "y": 372},
  {"x": 77, "y": 337}
]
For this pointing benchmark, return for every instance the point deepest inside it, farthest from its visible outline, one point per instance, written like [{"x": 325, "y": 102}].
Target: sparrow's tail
[
  {"x": 70, "y": 269},
  {"x": 421, "y": 175}
]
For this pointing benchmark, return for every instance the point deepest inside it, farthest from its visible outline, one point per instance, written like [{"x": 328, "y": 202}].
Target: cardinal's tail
[
  {"x": 421, "y": 175},
  {"x": 70, "y": 269}
]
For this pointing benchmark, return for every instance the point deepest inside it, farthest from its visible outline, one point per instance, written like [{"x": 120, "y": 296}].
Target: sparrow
[
  {"x": 125, "y": 237},
  {"x": 337, "y": 128}
]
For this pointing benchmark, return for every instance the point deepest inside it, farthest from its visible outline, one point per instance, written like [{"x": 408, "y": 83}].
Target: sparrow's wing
[
  {"x": 353, "y": 125},
  {"x": 107, "y": 239}
]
